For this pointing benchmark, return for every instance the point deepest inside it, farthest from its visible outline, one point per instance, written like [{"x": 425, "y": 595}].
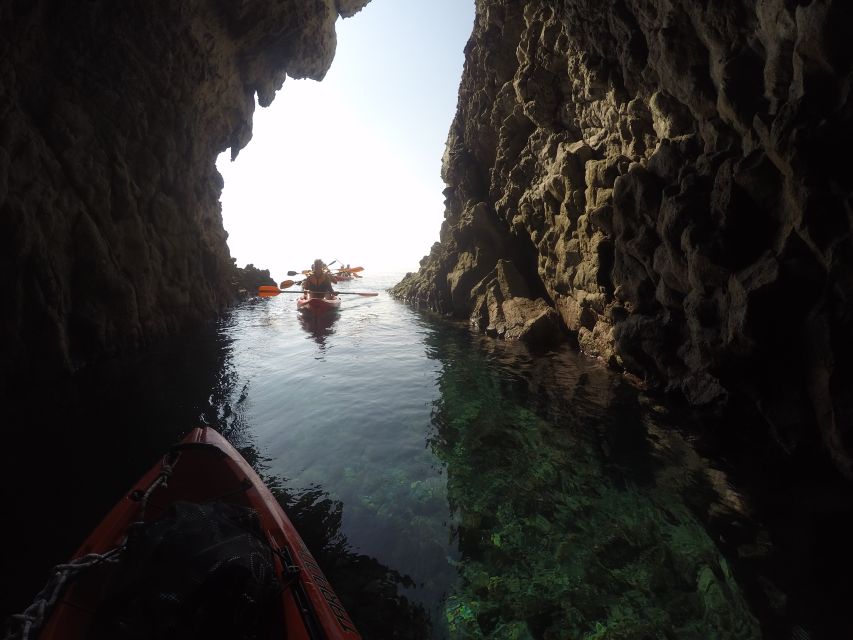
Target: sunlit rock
[{"x": 671, "y": 176}]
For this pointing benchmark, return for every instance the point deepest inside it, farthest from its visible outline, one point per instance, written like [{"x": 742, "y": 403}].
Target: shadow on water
[{"x": 72, "y": 451}]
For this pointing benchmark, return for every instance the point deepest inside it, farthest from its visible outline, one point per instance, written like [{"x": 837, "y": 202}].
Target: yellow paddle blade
[
  {"x": 351, "y": 270},
  {"x": 268, "y": 288}
]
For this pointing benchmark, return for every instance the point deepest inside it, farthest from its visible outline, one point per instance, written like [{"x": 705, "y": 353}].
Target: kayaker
[{"x": 319, "y": 280}]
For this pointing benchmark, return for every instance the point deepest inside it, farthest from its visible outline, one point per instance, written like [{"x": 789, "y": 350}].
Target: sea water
[{"x": 452, "y": 486}]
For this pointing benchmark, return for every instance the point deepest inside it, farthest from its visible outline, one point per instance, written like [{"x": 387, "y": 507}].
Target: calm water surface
[{"x": 451, "y": 486}]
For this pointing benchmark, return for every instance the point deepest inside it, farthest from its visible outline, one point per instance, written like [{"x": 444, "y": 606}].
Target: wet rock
[{"x": 503, "y": 308}]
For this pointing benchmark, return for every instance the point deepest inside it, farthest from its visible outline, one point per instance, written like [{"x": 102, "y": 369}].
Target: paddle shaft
[{"x": 270, "y": 290}]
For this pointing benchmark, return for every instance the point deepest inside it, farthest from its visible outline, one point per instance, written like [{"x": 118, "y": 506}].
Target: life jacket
[{"x": 315, "y": 280}]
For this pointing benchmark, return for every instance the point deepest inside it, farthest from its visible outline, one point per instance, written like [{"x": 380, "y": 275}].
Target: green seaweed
[{"x": 554, "y": 545}]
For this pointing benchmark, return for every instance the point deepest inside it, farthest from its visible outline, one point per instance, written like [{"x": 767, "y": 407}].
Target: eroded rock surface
[
  {"x": 111, "y": 119},
  {"x": 503, "y": 308},
  {"x": 672, "y": 177}
]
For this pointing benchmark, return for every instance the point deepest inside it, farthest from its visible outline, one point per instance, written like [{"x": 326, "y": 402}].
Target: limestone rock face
[
  {"x": 111, "y": 119},
  {"x": 674, "y": 177},
  {"x": 503, "y": 308}
]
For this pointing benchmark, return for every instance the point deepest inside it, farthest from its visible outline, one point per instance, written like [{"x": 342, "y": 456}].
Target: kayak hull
[
  {"x": 207, "y": 468},
  {"x": 318, "y": 306}
]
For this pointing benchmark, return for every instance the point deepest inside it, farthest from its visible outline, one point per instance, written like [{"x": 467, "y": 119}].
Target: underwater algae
[{"x": 553, "y": 545}]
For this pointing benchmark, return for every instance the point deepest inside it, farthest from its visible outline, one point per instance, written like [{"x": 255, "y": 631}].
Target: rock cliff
[
  {"x": 672, "y": 179},
  {"x": 111, "y": 119}
]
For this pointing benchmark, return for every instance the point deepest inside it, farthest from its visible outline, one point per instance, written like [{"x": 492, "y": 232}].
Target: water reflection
[
  {"x": 320, "y": 326},
  {"x": 564, "y": 527}
]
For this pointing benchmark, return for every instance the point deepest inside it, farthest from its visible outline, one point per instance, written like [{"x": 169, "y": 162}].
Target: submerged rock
[{"x": 559, "y": 537}]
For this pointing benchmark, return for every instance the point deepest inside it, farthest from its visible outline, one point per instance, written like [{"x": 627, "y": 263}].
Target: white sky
[{"x": 349, "y": 168}]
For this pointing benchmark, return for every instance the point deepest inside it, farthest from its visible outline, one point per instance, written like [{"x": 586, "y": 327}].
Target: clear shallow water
[
  {"x": 511, "y": 497},
  {"x": 450, "y": 485}
]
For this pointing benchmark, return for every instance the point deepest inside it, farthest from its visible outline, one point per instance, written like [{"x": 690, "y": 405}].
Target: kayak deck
[
  {"x": 205, "y": 469},
  {"x": 318, "y": 305}
]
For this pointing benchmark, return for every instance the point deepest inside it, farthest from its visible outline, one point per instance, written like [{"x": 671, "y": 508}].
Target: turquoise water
[{"x": 451, "y": 486}]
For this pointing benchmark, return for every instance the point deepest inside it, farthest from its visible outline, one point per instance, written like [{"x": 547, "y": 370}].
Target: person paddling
[{"x": 318, "y": 282}]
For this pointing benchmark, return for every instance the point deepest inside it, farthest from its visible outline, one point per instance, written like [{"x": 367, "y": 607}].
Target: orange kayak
[
  {"x": 318, "y": 306},
  {"x": 198, "y": 535}
]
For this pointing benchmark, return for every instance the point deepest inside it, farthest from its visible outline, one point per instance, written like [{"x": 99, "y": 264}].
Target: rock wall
[
  {"x": 112, "y": 116},
  {"x": 672, "y": 178}
]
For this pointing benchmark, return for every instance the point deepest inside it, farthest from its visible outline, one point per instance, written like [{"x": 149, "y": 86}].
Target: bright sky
[{"x": 349, "y": 168}]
